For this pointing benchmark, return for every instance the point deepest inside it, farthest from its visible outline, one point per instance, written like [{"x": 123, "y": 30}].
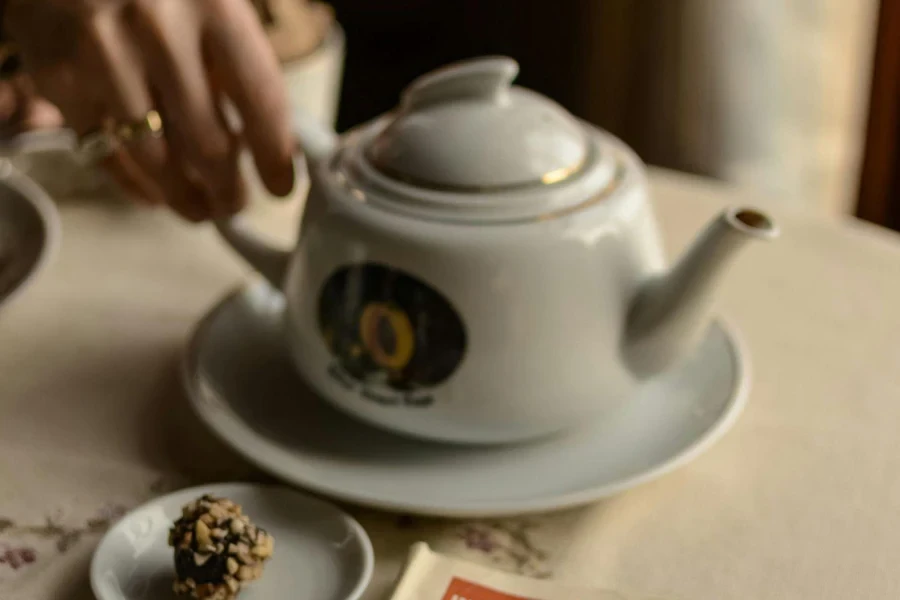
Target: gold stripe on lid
[
  {"x": 561, "y": 174},
  {"x": 549, "y": 178}
]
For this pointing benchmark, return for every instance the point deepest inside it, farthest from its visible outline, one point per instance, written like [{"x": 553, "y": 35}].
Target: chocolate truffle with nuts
[{"x": 217, "y": 549}]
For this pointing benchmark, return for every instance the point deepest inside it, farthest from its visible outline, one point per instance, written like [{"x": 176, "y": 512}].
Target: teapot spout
[{"x": 671, "y": 312}]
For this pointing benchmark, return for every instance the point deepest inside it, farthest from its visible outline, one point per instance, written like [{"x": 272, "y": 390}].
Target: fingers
[
  {"x": 40, "y": 114},
  {"x": 114, "y": 49},
  {"x": 132, "y": 179},
  {"x": 197, "y": 135},
  {"x": 87, "y": 95},
  {"x": 145, "y": 166},
  {"x": 243, "y": 61},
  {"x": 22, "y": 109},
  {"x": 34, "y": 111}
]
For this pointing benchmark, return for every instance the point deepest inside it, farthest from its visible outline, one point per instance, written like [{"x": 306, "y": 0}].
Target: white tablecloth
[{"x": 800, "y": 500}]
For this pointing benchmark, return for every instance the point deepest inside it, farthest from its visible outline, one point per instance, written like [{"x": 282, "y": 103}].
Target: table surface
[{"x": 800, "y": 500}]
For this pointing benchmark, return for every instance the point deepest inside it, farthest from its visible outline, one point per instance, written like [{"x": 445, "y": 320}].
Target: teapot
[{"x": 479, "y": 266}]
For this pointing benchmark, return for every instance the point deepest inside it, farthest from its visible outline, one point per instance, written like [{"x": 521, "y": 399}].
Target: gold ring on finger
[{"x": 151, "y": 126}]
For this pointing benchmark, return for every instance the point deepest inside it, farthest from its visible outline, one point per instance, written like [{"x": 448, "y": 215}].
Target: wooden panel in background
[{"x": 879, "y": 189}]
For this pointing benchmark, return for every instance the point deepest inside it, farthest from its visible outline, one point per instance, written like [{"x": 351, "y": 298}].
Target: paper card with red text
[
  {"x": 432, "y": 576},
  {"x": 460, "y": 589}
]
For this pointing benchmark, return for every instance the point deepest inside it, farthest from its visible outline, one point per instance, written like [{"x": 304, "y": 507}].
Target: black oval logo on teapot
[{"x": 389, "y": 330}]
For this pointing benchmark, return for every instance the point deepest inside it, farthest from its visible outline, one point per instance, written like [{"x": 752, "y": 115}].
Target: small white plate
[
  {"x": 29, "y": 230},
  {"x": 320, "y": 552},
  {"x": 242, "y": 384}
]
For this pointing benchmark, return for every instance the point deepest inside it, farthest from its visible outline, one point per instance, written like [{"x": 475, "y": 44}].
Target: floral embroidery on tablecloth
[
  {"x": 17, "y": 555},
  {"x": 508, "y": 544}
]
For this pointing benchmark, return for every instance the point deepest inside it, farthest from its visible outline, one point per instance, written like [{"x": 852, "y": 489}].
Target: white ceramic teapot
[{"x": 478, "y": 266}]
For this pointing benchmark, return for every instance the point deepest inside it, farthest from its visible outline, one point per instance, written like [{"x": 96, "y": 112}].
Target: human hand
[
  {"x": 22, "y": 109},
  {"x": 111, "y": 62}
]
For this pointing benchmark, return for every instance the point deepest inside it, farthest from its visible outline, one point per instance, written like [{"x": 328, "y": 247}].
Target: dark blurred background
[
  {"x": 592, "y": 56},
  {"x": 797, "y": 99}
]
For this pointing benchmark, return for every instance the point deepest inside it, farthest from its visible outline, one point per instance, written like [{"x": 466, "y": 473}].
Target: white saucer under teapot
[{"x": 479, "y": 266}]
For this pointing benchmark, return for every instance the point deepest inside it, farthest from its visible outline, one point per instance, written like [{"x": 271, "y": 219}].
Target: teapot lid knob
[{"x": 486, "y": 78}]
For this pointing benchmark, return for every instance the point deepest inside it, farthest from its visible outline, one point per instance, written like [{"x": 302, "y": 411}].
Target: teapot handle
[{"x": 316, "y": 141}]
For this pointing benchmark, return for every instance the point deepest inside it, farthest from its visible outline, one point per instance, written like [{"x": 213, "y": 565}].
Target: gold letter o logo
[{"x": 376, "y": 315}]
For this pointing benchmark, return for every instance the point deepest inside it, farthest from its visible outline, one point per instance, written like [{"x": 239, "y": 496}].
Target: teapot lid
[{"x": 465, "y": 127}]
